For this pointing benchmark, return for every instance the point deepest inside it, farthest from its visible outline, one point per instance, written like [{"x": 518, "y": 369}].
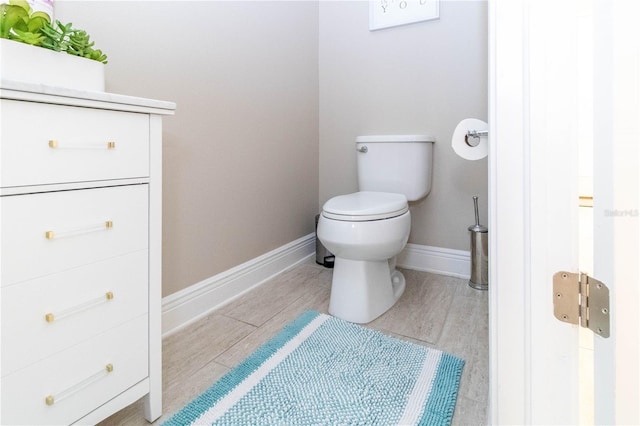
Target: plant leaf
[
  {"x": 23, "y": 4},
  {"x": 36, "y": 24},
  {"x": 11, "y": 15},
  {"x": 34, "y": 39},
  {"x": 41, "y": 14}
]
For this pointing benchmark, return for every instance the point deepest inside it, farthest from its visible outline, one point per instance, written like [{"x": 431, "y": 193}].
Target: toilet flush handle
[{"x": 363, "y": 149}]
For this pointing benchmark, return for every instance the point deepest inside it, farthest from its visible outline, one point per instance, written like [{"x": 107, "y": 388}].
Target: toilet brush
[{"x": 479, "y": 252}]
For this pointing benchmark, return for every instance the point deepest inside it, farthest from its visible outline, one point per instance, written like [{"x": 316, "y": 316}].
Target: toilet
[{"x": 367, "y": 229}]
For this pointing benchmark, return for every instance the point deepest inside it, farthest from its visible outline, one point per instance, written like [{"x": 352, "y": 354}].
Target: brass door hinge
[{"x": 581, "y": 299}]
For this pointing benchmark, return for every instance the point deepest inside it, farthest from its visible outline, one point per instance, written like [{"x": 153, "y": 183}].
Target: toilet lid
[{"x": 365, "y": 205}]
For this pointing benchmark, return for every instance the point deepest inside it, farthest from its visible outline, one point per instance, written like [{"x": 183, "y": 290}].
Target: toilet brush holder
[{"x": 479, "y": 253}]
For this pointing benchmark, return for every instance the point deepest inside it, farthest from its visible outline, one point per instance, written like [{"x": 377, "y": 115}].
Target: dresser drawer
[
  {"x": 77, "y": 380},
  {"x": 55, "y": 231},
  {"x": 46, "y": 315},
  {"x": 89, "y": 144}
]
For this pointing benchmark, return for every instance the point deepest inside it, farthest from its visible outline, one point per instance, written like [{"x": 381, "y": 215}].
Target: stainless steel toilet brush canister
[{"x": 479, "y": 253}]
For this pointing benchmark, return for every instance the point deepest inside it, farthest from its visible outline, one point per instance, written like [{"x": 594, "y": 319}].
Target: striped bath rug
[{"x": 320, "y": 370}]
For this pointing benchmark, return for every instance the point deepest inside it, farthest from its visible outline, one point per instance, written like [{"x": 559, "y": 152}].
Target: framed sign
[{"x": 391, "y": 13}]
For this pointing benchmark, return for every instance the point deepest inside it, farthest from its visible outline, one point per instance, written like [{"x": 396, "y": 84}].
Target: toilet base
[{"x": 361, "y": 291}]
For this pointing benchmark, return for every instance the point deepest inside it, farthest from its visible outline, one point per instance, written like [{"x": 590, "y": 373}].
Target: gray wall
[
  {"x": 271, "y": 96},
  {"x": 414, "y": 79},
  {"x": 241, "y": 153}
]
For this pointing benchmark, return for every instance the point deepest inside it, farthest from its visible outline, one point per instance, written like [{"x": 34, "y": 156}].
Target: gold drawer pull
[
  {"x": 50, "y": 235},
  {"x": 52, "y": 399},
  {"x": 54, "y": 144},
  {"x": 51, "y": 317}
]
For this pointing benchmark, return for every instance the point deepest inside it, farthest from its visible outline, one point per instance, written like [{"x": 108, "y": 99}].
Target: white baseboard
[
  {"x": 443, "y": 261},
  {"x": 192, "y": 303},
  {"x": 188, "y": 305}
]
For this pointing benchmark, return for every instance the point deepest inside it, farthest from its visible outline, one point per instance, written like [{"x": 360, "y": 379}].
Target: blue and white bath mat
[{"x": 320, "y": 370}]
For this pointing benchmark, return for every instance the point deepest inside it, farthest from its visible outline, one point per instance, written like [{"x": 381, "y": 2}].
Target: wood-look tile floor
[{"x": 435, "y": 311}]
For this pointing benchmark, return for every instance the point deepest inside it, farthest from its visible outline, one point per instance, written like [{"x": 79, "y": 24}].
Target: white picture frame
[{"x": 393, "y": 13}]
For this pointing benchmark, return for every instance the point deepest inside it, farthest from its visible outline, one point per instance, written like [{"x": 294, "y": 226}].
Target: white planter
[{"x": 36, "y": 65}]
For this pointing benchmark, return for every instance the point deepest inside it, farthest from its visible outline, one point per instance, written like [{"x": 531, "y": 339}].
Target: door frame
[
  {"x": 533, "y": 356},
  {"x": 534, "y": 373}
]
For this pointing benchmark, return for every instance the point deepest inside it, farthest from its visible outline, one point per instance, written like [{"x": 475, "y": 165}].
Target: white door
[
  {"x": 537, "y": 88},
  {"x": 616, "y": 207}
]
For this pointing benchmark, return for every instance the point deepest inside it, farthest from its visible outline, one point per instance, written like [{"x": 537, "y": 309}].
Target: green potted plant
[{"x": 34, "y": 49}]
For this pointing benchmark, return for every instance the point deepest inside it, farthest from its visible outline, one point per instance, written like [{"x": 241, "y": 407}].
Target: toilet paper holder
[{"x": 475, "y": 135}]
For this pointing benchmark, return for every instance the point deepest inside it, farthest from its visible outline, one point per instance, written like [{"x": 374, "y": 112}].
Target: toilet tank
[{"x": 395, "y": 163}]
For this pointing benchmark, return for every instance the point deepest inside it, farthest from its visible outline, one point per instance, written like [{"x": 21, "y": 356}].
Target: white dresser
[{"x": 80, "y": 260}]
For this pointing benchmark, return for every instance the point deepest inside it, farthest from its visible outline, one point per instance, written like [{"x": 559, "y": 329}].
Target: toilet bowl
[{"x": 365, "y": 230}]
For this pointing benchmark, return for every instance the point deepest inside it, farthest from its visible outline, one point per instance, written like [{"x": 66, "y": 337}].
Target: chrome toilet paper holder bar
[{"x": 475, "y": 135}]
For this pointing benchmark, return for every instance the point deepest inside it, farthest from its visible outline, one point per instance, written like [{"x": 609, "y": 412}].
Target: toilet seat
[{"x": 365, "y": 206}]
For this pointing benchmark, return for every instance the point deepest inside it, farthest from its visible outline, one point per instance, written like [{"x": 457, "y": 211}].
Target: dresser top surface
[{"x": 59, "y": 95}]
